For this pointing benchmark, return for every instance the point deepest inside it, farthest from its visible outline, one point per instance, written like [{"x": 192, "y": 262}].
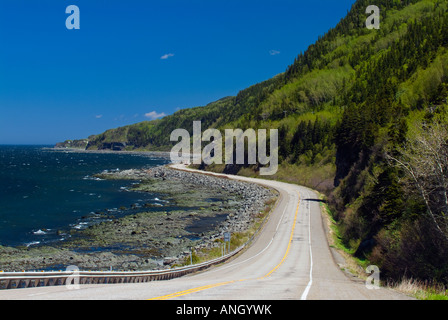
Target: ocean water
[{"x": 43, "y": 191}]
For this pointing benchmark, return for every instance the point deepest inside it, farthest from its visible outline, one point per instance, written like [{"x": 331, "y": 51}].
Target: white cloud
[
  {"x": 99, "y": 116},
  {"x": 166, "y": 56},
  {"x": 274, "y": 52},
  {"x": 154, "y": 115}
]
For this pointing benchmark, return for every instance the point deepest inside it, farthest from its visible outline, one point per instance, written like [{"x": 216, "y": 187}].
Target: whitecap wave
[
  {"x": 80, "y": 225},
  {"x": 33, "y": 243}
]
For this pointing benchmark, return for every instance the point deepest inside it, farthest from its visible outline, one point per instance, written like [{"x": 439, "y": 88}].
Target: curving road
[{"x": 290, "y": 259}]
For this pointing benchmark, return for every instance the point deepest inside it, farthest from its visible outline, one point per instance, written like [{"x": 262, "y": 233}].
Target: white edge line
[{"x": 308, "y": 287}]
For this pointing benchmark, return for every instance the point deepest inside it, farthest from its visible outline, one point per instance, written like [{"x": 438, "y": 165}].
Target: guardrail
[{"x": 15, "y": 280}]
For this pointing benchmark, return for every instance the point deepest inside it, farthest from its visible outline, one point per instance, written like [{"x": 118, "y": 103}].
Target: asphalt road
[{"x": 290, "y": 260}]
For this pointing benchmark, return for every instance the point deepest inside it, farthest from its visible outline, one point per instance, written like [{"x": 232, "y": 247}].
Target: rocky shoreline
[{"x": 193, "y": 212}]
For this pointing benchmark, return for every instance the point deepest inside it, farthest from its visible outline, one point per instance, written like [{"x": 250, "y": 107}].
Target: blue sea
[{"x": 43, "y": 190}]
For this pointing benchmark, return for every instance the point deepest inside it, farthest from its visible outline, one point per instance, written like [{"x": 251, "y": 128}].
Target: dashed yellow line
[
  {"x": 189, "y": 291},
  {"x": 289, "y": 244},
  {"x": 198, "y": 289}
]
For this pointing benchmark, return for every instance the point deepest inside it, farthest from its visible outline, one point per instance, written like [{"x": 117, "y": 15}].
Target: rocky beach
[{"x": 193, "y": 212}]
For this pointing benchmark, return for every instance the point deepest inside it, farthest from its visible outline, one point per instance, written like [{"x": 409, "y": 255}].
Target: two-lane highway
[{"x": 290, "y": 259}]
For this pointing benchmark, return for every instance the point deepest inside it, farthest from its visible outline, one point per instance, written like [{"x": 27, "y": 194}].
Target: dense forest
[{"x": 362, "y": 118}]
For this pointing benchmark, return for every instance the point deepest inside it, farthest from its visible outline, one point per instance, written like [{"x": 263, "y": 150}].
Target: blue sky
[{"x": 136, "y": 60}]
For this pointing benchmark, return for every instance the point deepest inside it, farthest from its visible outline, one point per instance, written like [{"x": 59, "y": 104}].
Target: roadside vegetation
[{"x": 419, "y": 289}]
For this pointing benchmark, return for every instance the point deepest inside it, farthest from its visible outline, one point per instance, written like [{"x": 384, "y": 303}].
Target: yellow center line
[
  {"x": 189, "y": 291},
  {"x": 198, "y": 289},
  {"x": 289, "y": 243}
]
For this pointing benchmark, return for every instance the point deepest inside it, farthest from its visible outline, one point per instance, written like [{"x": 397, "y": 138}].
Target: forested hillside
[{"x": 361, "y": 117}]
